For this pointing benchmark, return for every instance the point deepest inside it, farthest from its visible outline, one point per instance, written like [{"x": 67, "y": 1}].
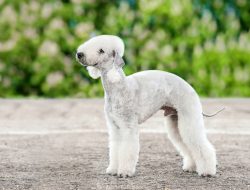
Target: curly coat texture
[{"x": 131, "y": 100}]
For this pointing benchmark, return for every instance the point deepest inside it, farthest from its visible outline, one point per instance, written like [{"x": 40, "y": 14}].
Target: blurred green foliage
[{"x": 206, "y": 42}]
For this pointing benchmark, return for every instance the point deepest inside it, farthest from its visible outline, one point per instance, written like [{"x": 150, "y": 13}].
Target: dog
[{"x": 131, "y": 100}]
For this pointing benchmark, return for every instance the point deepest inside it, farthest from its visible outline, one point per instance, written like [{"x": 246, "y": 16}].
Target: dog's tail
[{"x": 214, "y": 114}]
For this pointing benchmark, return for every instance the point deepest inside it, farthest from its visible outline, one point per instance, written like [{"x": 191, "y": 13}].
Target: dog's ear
[{"x": 118, "y": 61}]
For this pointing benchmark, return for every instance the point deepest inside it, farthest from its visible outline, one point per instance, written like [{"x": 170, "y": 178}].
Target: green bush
[{"x": 205, "y": 42}]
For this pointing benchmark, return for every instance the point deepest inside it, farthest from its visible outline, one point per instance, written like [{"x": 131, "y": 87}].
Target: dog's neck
[{"x": 110, "y": 87}]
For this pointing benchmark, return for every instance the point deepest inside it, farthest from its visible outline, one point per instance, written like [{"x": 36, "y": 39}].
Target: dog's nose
[{"x": 80, "y": 55}]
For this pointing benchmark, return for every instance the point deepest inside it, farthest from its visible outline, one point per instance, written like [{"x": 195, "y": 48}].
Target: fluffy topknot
[{"x": 110, "y": 42}]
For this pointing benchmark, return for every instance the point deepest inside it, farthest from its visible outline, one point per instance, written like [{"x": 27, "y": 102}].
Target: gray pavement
[{"x": 62, "y": 144}]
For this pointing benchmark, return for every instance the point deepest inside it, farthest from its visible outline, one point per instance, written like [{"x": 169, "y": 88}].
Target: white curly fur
[
  {"x": 113, "y": 75},
  {"x": 131, "y": 100},
  {"x": 94, "y": 72}
]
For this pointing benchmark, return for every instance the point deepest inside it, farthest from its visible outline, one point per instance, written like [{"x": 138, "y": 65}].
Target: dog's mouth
[
  {"x": 83, "y": 63},
  {"x": 95, "y": 65}
]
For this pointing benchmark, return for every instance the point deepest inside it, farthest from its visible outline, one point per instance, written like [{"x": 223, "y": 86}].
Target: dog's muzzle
[
  {"x": 81, "y": 58},
  {"x": 80, "y": 55}
]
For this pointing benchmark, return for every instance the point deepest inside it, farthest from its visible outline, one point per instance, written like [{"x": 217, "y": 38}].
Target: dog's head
[{"x": 101, "y": 53}]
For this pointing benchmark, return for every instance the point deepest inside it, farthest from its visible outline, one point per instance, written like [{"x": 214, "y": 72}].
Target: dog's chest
[{"x": 119, "y": 109}]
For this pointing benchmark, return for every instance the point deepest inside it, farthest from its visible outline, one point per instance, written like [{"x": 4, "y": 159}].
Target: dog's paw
[
  {"x": 207, "y": 172},
  {"x": 188, "y": 168},
  {"x": 125, "y": 174},
  {"x": 111, "y": 171},
  {"x": 188, "y": 165}
]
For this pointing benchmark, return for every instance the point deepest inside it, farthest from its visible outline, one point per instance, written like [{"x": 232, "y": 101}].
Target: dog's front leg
[
  {"x": 113, "y": 149},
  {"x": 128, "y": 151}
]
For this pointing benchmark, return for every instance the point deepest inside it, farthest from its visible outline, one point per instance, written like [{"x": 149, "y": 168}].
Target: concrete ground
[{"x": 62, "y": 144}]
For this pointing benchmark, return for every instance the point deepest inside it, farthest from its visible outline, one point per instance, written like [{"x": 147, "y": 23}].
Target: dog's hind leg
[
  {"x": 175, "y": 138},
  {"x": 192, "y": 131}
]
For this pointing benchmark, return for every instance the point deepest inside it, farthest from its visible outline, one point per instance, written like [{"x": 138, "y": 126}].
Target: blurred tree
[{"x": 205, "y": 42}]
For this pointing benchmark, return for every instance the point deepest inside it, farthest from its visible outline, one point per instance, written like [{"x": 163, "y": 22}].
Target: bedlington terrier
[{"x": 131, "y": 100}]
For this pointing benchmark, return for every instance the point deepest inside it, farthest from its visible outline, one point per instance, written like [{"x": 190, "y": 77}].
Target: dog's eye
[{"x": 101, "y": 51}]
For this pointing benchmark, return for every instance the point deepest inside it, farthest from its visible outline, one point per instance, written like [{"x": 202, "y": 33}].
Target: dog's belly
[
  {"x": 151, "y": 102},
  {"x": 157, "y": 90}
]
